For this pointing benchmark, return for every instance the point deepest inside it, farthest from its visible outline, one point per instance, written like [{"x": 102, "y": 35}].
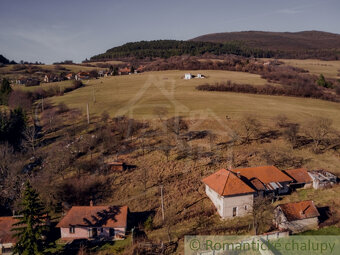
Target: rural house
[
  {"x": 230, "y": 195},
  {"x": 188, "y": 76},
  {"x": 91, "y": 222},
  {"x": 69, "y": 76},
  {"x": 233, "y": 191},
  {"x": 296, "y": 217},
  {"x": 265, "y": 179},
  {"x": 7, "y": 241},
  {"x": 322, "y": 179},
  {"x": 82, "y": 76},
  {"x": 116, "y": 166},
  {"x": 301, "y": 178}
]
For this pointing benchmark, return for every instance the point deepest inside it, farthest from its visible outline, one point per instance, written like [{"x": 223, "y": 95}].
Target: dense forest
[{"x": 169, "y": 48}]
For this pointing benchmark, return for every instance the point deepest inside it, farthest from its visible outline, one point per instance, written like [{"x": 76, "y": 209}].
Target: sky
[{"x": 57, "y": 30}]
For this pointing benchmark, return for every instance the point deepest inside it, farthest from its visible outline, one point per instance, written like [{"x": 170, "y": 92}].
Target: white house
[
  {"x": 188, "y": 76},
  {"x": 231, "y": 196},
  {"x": 297, "y": 216},
  {"x": 233, "y": 191},
  {"x": 200, "y": 76},
  {"x": 89, "y": 222}
]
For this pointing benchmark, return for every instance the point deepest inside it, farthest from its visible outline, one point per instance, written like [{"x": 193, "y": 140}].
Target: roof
[
  {"x": 299, "y": 210},
  {"x": 226, "y": 183},
  {"x": 95, "y": 216},
  {"x": 116, "y": 163},
  {"x": 266, "y": 174},
  {"x": 300, "y": 175},
  {"x": 6, "y": 235}
]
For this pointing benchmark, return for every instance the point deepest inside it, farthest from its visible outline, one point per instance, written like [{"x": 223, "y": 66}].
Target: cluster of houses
[
  {"x": 31, "y": 81},
  {"x": 233, "y": 192}
]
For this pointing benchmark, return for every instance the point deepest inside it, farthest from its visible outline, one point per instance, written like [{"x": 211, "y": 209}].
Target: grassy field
[
  {"x": 138, "y": 95},
  {"x": 330, "y": 69}
]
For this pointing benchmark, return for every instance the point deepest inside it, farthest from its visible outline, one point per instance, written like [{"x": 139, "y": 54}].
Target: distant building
[
  {"x": 200, "y": 76},
  {"x": 69, "y": 76},
  {"x": 7, "y": 241},
  {"x": 117, "y": 166},
  {"x": 124, "y": 71},
  {"x": 51, "y": 78},
  {"x": 188, "y": 76},
  {"x": 296, "y": 217},
  {"x": 91, "y": 222},
  {"x": 82, "y": 76}
]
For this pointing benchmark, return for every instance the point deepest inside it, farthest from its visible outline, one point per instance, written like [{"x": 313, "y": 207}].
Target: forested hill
[
  {"x": 305, "y": 40},
  {"x": 169, "y": 48},
  {"x": 301, "y": 45}
]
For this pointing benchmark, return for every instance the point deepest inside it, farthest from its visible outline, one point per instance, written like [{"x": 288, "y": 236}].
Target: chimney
[{"x": 91, "y": 202}]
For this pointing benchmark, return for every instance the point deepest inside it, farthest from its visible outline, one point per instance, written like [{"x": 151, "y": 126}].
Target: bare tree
[
  {"x": 250, "y": 128},
  {"x": 262, "y": 214},
  {"x": 30, "y": 135},
  {"x": 319, "y": 131}
]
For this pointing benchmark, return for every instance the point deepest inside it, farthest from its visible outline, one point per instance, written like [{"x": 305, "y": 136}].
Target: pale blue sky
[{"x": 55, "y": 30}]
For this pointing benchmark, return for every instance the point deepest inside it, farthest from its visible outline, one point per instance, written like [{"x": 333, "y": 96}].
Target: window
[
  {"x": 234, "y": 211},
  {"x": 72, "y": 230},
  {"x": 246, "y": 207}
]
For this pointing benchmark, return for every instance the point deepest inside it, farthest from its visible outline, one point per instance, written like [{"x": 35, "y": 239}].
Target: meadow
[
  {"x": 138, "y": 95},
  {"x": 330, "y": 69}
]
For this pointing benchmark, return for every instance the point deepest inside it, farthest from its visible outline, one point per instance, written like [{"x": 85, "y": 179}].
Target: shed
[
  {"x": 117, "y": 166},
  {"x": 297, "y": 216}
]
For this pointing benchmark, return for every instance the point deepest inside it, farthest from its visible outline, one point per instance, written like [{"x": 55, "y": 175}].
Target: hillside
[
  {"x": 305, "y": 40},
  {"x": 169, "y": 48},
  {"x": 300, "y": 45}
]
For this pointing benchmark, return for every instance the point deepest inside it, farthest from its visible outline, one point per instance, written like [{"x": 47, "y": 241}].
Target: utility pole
[
  {"x": 88, "y": 113},
  {"x": 132, "y": 230},
  {"x": 162, "y": 201}
]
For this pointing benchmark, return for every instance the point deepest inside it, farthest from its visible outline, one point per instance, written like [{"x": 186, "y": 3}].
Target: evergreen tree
[
  {"x": 5, "y": 90},
  {"x": 30, "y": 228}
]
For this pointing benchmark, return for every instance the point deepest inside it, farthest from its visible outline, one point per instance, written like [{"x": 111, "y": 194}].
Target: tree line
[{"x": 169, "y": 48}]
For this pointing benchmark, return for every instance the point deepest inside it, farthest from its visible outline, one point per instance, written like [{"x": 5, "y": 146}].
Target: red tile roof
[
  {"x": 266, "y": 174},
  {"x": 300, "y": 175},
  {"x": 6, "y": 235},
  {"x": 95, "y": 216},
  {"x": 299, "y": 210},
  {"x": 226, "y": 183}
]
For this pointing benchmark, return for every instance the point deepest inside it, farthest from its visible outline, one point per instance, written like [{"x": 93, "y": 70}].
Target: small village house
[
  {"x": 7, "y": 241},
  {"x": 200, "y": 76},
  {"x": 124, "y": 71},
  {"x": 82, "y": 76},
  {"x": 69, "y": 76},
  {"x": 301, "y": 178},
  {"x": 91, "y": 222},
  {"x": 322, "y": 179},
  {"x": 230, "y": 195},
  {"x": 296, "y": 217},
  {"x": 233, "y": 191},
  {"x": 116, "y": 166},
  {"x": 188, "y": 76}
]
